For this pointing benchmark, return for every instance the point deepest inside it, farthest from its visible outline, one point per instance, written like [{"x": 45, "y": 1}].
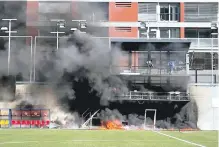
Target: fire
[{"x": 111, "y": 125}]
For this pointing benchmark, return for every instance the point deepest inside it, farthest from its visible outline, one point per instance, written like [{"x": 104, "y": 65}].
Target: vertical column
[
  {"x": 218, "y": 43},
  {"x": 32, "y": 17},
  {"x": 31, "y": 28},
  {"x": 187, "y": 63},
  {"x": 158, "y": 11},
  {"x": 73, "y": 9},
  {"x": 182, "y": 18},
  {"x": 133, "y": 64},
  {"x": 127, "y": 12},
  {"x": 10, "y": 117}
]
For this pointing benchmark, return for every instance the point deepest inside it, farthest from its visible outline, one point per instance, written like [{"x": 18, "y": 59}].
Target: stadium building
[{"x": 169, "y": 49}]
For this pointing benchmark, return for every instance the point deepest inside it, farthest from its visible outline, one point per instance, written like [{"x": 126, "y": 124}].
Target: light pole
[
  {"x": 60, "y": 23},
  {"x": 8, "y": 30},
  {"x": 214, "y": 26},
  {"x": 82, "y": 24},
  {"x": 143, "y": 26},
  {"x": 57, "y": 38}
]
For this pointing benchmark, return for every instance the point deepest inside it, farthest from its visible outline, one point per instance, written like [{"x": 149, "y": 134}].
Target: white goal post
[{"x": 145, "y": 118}]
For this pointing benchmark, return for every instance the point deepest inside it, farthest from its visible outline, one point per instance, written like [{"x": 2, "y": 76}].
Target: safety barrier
[{"x": 24, "y": 118}]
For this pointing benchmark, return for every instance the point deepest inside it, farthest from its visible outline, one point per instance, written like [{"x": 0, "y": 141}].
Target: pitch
[{"x": 105, "y": 138}]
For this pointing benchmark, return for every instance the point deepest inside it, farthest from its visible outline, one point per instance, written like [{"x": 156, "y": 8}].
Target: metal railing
[
  {"x": 143, "y": 70},
  {"x": 196, "y": 43},
  {"x": 153, "y": 96},
  {"x": 188, "y": 17},
  {"x": 203, "y": 42}
]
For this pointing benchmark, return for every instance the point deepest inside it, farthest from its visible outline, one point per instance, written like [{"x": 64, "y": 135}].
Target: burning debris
[{"x": 112, "y": 125}]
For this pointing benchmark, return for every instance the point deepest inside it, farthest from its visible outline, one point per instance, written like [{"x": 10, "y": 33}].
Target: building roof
[
  {"x": 171, "y": 40},
  {"x": 152, "y": 44}
]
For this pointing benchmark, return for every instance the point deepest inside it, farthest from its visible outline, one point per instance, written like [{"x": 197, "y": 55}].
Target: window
[
  {"x": 197, "y": 33},
  {"x": 54, "y": 7},
  {"x": 147, "y": 11},
  {"x": 164, "y": 13},
  {"x": 98, "y": 11},
  {"x": 142, "y": 59},
  {"x": 191, "y": 33},
  {"x": 201, "y": 12},
  {"x": 146, "y": 8},
  {"x": 203, "y": 61},
  {"x": 169, "y": 12},
  {"x": 144, "y": 33},
  {"x": 169, "y": 33},
  {"x": 164, "y": 33},
  {"x": 174, "y": 33}
]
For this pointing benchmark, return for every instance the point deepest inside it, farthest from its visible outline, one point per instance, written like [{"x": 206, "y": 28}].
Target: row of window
[
  {"x": 168, "y": 11},
  {"x": 175, "y": 33},
  {"x": 203, "y": 12}
]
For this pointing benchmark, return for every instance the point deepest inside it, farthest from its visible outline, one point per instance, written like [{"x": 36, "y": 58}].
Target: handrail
[{"x": 171, "y": 96}]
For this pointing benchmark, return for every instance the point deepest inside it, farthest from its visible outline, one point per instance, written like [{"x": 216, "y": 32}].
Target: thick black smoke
[
  {"x": 186, "y": 117},
  {"x": 75, "y": 77}
]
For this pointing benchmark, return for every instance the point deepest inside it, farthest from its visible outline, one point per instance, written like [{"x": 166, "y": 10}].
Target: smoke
[
  {"x": 79, "y": 57},
  {"x": 78, "y": 53},
  {"x": 14, "y": 10},
  {"x": 186, "y": 118}
]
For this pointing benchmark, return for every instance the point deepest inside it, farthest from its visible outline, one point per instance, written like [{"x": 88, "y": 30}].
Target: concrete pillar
[{"x": 206, "y": 96}]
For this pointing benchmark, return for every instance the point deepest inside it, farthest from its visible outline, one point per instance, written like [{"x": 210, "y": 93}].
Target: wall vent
[
  {"x": 124, "y": 4},
  {"x": 123, "y": 29}
]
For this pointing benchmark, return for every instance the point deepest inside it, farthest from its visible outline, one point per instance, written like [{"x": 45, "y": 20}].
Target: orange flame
[{"x": 111, "y": 125}]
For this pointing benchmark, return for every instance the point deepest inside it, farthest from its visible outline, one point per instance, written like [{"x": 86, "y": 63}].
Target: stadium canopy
[{"x": 131, "y": 44}]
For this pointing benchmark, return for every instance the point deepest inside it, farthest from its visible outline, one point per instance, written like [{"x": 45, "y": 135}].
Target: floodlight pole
[
  {"x": 212, "y": 34},
  {"x": 57, "y": 38},
  {"x": 9, "y": 42},
  {"x": 79, "y": 22},
  {"x": 212, "y": 61},
  {"x": 57, "y": 31}
]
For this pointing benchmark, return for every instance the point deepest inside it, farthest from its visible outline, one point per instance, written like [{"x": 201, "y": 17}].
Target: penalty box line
[{"x": 186, "y": 141}]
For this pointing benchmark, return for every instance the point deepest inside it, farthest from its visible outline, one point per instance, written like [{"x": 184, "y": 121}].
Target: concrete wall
[{"x": 207, "y": 99}]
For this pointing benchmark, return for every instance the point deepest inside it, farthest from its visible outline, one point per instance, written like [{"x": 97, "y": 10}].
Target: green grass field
[{"x": 104, "y": 138}]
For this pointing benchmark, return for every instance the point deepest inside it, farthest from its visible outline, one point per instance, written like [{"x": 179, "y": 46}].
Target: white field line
[
  {"x": 83, "y": 140},
  {"x": 78, "y": 140},
  {"x": 180, "y": 139}
]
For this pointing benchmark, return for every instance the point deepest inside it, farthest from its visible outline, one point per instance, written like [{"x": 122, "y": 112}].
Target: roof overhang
[
  {"x": 150, "y": 40},
  {"x": 169, "y": 1},
  {"x": 158, "y": 44}
]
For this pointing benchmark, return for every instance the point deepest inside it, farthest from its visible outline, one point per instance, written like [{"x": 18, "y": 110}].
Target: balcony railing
[
  {"x": 197, "y": 43},
  {"x": 203, "y": 42},
  {"x": 153, "y": 96},
  {"x": 188, "y": 17},
  {"x": 142, "y": 70}
]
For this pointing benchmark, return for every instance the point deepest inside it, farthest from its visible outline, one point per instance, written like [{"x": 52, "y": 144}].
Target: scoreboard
[{"x": 24, "y": 118}]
